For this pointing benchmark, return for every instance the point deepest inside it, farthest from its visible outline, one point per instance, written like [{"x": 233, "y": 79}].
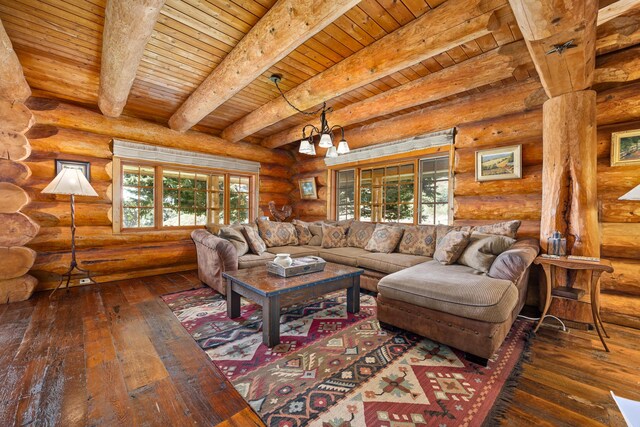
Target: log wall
[
  {"x": 477, "y": 203},
  {"x": 65, "y": 131}
]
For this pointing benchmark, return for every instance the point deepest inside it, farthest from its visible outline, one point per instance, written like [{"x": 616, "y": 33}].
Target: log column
[
  {"x": 569, "y": 191},
  {"x": 17, "y": 228}
]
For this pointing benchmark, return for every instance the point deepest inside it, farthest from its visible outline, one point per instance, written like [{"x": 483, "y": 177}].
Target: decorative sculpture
[{"x": 280, "y": 214}]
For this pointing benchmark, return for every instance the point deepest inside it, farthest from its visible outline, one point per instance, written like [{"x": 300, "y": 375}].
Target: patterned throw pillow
[
  {"x": 256, "y": 244},
  {"x": 506, "y": 228},
  {"x": 234, "y": 235},
  {"x": 359, "y": 234},
  {"x": 302, "y": 231},
  {"x": 448, "y": 249},
  {"x": 385, "y": 238},
  {"x": 277, "y": 233},
  {"x": 483, "y": 249},
  {"x": 334, "y": 236},
  {"x": 418, "y": 240}
]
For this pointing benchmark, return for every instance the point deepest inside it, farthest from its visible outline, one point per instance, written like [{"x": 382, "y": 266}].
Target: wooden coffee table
[{"x": 273, "y": 292}]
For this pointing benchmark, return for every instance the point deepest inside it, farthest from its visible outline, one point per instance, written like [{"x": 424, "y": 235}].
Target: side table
[{"x": 596, "y": 268}]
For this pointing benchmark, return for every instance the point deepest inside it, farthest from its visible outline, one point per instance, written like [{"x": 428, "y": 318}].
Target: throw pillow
[
  {"x": 359, "y": 234},
  {"x": 235, "y": 236},
  {"x": 334, "y": 236},
  {"x": 506, "y": 228},
  {"x": 303, "y": 232},
  {"x": 483, "y": 249},
  {"x": 256, "y": 244},
  {"x": 277, "y": 234},
  {"x": 448, "y": 249},
  {"x": 316, "y": 230},
  {"x": 511, "y": 264},
  {"x": 418, "y": 240},
  {"x": 385, "y": 238}
]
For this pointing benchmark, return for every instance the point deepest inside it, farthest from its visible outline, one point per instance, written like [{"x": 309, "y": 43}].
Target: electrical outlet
[{"x": 85, "y": 281}]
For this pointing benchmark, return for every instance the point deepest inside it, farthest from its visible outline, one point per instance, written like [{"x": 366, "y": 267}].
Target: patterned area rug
[{"x": 335, "y": 369}]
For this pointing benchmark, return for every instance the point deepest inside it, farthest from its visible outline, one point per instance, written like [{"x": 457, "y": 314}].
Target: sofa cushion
[
  {"x": 256, "y": 244},
  {"x": 454, "y": 289},
  {"x": 510, "y": 264},
  {"x": 303, "y": 232},
  {"x": 334, "y": 236},
  {"x": 449, "y": 249},
  {"x": 506, "y": 228},
  {"x": 483, "y": 249},
  {"x": 389, "y": 263},
  {"x": 316, "y": 231},
  {"x": 277, "y": 233},
  {"x": 418, "y": 240},
  {"x": 359, "y": 234},
  {"x": 234, "y": 235},
  {"x": 385, "y": 238},
  {"x": 344, "y": 256},
  {"x": 295, "y": 251},
  {"x": 253, "y": 260}
]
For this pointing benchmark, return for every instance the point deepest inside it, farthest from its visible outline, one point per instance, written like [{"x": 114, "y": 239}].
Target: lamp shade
[
  {"x": 325, "y": 141},
  {"x": 70, "y": 181},
  {"x": 305, "y": 147},
  {"x": 343, "y": 147},
  {"x": 632, "y": 195},
  {"x": 331, "y": 152}
]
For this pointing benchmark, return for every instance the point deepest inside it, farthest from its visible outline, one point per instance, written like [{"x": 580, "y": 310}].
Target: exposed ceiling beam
[
  {"x": 616, "y": 9},
  {"x": 287, "y": 25},
  {"x": 481, "y": 70},
  {"x": 127, "y": 29},
  {"x": 547, "y": 24},
  {"x": 13, "y": 86},
  {"x": 448, "y": 25}
]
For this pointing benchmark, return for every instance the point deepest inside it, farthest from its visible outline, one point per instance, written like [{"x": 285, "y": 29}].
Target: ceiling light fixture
[{"x": 325, "y": 131}]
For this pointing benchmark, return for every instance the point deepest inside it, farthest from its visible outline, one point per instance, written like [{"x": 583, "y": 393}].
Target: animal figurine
[{"x": 280, "y": 214}]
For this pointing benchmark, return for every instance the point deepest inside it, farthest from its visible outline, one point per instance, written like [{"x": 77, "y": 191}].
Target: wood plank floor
[{"x": 114, "y": 354}]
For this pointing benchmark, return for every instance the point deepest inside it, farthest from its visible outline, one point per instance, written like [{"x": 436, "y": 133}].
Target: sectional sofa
[{"x": 454, "y": 304}]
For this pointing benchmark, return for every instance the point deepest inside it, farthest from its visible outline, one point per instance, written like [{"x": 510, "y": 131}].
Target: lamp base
[{"x": 68, "y": 274}]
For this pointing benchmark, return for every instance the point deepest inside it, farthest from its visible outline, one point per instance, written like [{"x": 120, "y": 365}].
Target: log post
[{"x": 569, "y": 191}]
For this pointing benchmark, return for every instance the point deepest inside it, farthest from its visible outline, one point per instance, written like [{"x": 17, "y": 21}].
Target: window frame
[
  {"x": 158, "y": 205},
  {"x": 416, "y": 159}
]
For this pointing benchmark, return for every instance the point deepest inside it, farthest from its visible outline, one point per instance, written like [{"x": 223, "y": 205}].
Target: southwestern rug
[{"x": 335, "y": 369}]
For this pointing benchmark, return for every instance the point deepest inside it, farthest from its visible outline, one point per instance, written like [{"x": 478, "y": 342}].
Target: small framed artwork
[
  {"x": 625, "y": 148},
  {"x": 85, "y": 167},
  {"x": 499, "y": 163},
  {"x": 308, "y": 188}
]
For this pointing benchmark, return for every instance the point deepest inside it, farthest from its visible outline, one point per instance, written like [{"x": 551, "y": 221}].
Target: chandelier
[{"x": 325, "y": 131}]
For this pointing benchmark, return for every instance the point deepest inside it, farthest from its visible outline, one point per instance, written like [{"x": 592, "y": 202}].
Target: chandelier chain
[{"x": 312, "y": 113}]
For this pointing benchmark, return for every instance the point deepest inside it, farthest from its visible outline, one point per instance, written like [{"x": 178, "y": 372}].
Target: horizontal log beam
[
  {"x": 13, "y": 85},
  {"x": 481, "y": 70},
  {"x": 17, "y": 289},
  {"x": 287, "y": 25},
  {"x": 128, "y": 26},
  {"x": 57, "y": 213},
  {"x": 59, "y": 114},
  {"x": 528, "y": 228},
  {"x": 14, "y": 172},
  {"x": 17, "y": 229},
  {"x": 618, "y": 8},
  {"x": 531, "y": 183},
  {"x": 497, "y": 208},
  {"x": 448, "y": 25},
  {"x": 16, "y": 261},
  {"x": 12, "y": 198},
  {"x": 14, "y": 146},
  {"x": 620, "y": 240},
  {"x": 624, "y": 277},
  {"x": 15, "y": 117},
  {"x": 46, "y": 141}
]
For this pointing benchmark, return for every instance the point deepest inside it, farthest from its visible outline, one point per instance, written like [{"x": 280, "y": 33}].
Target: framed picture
[
  {"x": 499, "y": 163},
  {"x": 85, "y": 167},
  {"x": 625, "y": 148},
  {"x": 308, "y": 188}
]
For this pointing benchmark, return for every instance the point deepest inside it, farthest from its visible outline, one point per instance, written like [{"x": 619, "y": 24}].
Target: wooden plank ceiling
[{"x": 59, "y": 44}]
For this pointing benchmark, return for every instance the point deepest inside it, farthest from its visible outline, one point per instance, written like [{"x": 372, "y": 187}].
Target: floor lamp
[{"x": 71, "y": 182}]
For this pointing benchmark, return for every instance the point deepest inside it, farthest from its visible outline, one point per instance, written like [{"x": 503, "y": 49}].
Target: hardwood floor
[{"x": 114, "y": 354}]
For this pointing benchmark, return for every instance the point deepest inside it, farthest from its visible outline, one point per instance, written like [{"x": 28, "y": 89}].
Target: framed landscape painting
[
  {"x": 308, "y": 188},
  {"x": 499, "y": 163},
  {"x": 625, "y": 148}
]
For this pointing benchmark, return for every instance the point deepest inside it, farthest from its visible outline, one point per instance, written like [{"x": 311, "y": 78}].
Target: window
[
  {"x": 158, "y": 197},
  {"x": 414, "y": 191},
  {"x": 138, "y": 196},
  {"x": 346, "y": 193},
  {"x": 434, "y": 196}
]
